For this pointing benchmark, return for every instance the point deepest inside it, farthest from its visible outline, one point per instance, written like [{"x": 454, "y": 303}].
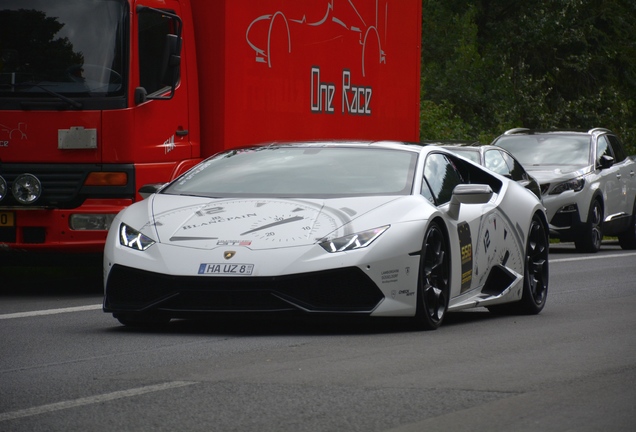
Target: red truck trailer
[{"x": 99, "y": 97}]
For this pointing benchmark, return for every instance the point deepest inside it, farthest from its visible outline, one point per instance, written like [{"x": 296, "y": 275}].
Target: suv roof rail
[
  {"x": 598, "y": 129},
  {"x": 515, "y": 130}
]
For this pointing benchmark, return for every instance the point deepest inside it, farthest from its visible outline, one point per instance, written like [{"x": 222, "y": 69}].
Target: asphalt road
[{"x": 67, "y": 366}]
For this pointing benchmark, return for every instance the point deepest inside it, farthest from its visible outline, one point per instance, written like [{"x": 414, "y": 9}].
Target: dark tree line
[{"x": 491, "y": 65}]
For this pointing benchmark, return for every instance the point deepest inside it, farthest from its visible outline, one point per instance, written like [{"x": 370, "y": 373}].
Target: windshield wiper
[{"x": 71, "y": 102}]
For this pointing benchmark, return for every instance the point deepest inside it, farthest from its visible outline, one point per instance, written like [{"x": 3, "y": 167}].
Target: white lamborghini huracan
[{"x": 367, "y": 228}]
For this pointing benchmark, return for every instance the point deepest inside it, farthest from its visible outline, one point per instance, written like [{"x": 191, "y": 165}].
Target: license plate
[
  {"x": 226, "y": 269},
  {"x": 7, "y": 219}
]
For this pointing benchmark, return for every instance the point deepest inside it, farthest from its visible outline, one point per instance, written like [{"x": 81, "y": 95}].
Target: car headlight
[
  {"x": 353, "y": 241},
  {"x": 133, "y": 239},
  {"x": 573, "y": 185}
]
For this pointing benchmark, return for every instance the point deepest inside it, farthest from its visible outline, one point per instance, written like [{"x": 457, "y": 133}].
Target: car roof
[
  {"x": 451, "y": 143},
  {"x": 387, "y": 144},
  {"x": 526, "y": 131}
]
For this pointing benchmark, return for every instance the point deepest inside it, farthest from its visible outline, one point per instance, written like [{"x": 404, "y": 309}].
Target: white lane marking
[
  {"x": 29, "y": 412},
  {"x": 50, "y": 311},
  {"x": 589, "y": 257}
]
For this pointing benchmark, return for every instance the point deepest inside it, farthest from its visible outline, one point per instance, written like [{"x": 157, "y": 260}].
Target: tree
[{"x": 496, "y": 64}]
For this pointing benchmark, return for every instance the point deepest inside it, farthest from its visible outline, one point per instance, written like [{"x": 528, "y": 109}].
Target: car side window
[
  {"x": 441, "y": 176},
  {"x": 153, "y": 29},
  {"x": 619, "y": 154},
  {"x": 517, "y": 173},
  {"x": 495, "y": 162},
  {"x": 603, "y": 148}
]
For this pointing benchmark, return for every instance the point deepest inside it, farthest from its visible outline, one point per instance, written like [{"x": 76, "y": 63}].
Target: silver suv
[{"x": 588, "y": 183}]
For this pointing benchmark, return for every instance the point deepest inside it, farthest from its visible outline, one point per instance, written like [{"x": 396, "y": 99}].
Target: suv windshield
[
  {"x": 536, "y": 150},
  {"x": 62, "y": 47},
  {"x": 300, "y": 172}
]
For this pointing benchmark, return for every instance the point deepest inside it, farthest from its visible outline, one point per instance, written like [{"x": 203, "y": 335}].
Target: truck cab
[{"x": 79, "y": 132}]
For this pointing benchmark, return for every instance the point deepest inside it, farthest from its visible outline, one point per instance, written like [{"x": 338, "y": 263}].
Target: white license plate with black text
[{"x": 226, "y": 269}]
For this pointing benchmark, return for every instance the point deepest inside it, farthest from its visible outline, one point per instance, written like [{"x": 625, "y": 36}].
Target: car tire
[
  {"x": 433, "y": 290},
  {"x": 142, "y": 320},
  {"x": 536, "y": 273},
  {"x": 627, "y": 239},
  {"x": 590, "y": 236}
]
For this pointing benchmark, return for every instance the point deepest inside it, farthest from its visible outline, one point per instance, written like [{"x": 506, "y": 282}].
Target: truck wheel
[
  {"x": 591, "y": 234},
  {"x": 627, "y": 240}
]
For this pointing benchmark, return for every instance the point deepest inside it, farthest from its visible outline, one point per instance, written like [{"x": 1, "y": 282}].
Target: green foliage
[{"x": 490, "y": 65}]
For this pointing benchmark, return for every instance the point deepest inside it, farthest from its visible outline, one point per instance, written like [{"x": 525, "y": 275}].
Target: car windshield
[
  {"x": 297, "y": 172},
  {"x": 537, "y": 150},
  {"x": 62, "y": 47}
]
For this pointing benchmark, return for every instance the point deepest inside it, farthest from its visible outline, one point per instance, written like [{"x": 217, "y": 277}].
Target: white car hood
[
  {"x": 554, "y": 174},
  {"x": 203, "y": 223}
]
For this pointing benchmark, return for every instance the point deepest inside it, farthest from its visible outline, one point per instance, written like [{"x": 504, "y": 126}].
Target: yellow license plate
[{"x": 7, "y": 219}]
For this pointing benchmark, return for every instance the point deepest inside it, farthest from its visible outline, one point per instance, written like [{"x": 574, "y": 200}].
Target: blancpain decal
[{"x": 216, "y": 220}]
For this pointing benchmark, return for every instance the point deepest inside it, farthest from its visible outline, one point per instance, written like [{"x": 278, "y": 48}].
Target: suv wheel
[
  {"x": 627, "y": 240},
  {"x": 591, "y": 234}
]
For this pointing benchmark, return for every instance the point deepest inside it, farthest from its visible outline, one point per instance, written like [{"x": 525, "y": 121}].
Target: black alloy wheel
[
  {"x": 536, "y": 271},
  {"x": 535, "y": 274},
  {"x": 433, "y": 281},
  {"x": 590, "y": 237},
  {"x": 627, "y": 239}
]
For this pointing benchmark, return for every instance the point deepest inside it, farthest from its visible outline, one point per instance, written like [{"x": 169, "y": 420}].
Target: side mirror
[
  {"x": 169, "y": 66},
  {"x": 146, "y": 190},
  {"x": 468, "y": 194},
  {"x": 606, "y": 161}
]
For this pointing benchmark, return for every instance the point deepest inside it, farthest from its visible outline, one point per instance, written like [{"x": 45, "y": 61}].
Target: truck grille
[{"x": 62, "y": 184}]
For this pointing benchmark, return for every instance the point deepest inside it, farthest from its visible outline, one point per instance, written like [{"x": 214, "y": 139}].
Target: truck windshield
[{"x": 62, "y": 48}]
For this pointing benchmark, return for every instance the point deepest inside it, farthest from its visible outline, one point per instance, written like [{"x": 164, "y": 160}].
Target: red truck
[{"x": 100, "y": 97}]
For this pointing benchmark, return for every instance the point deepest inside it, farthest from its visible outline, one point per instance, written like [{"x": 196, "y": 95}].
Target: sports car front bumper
[{"x": 346, "y": 290}]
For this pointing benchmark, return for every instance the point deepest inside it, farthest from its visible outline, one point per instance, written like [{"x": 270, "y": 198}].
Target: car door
[
  {"x": 610, "y": 180},
  {"x": 440, "y": 179},
  {"x": 627, "y": 172}
]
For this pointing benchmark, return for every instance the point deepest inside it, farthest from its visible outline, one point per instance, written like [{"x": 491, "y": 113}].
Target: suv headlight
[
  {"x": 353, "y": 241},
  {"x": 573, "y": 185},
  {"x": 133, "y": 239}
]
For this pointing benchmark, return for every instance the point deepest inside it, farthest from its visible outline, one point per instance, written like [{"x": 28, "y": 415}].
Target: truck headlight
[
  {"x": 573, "y": 185},
  {"x": 26, "y": 188},
  {"x": 353, "y": 241},
  {"x": 133, "y": 239},
  {"x": 3, "y": 188}
]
